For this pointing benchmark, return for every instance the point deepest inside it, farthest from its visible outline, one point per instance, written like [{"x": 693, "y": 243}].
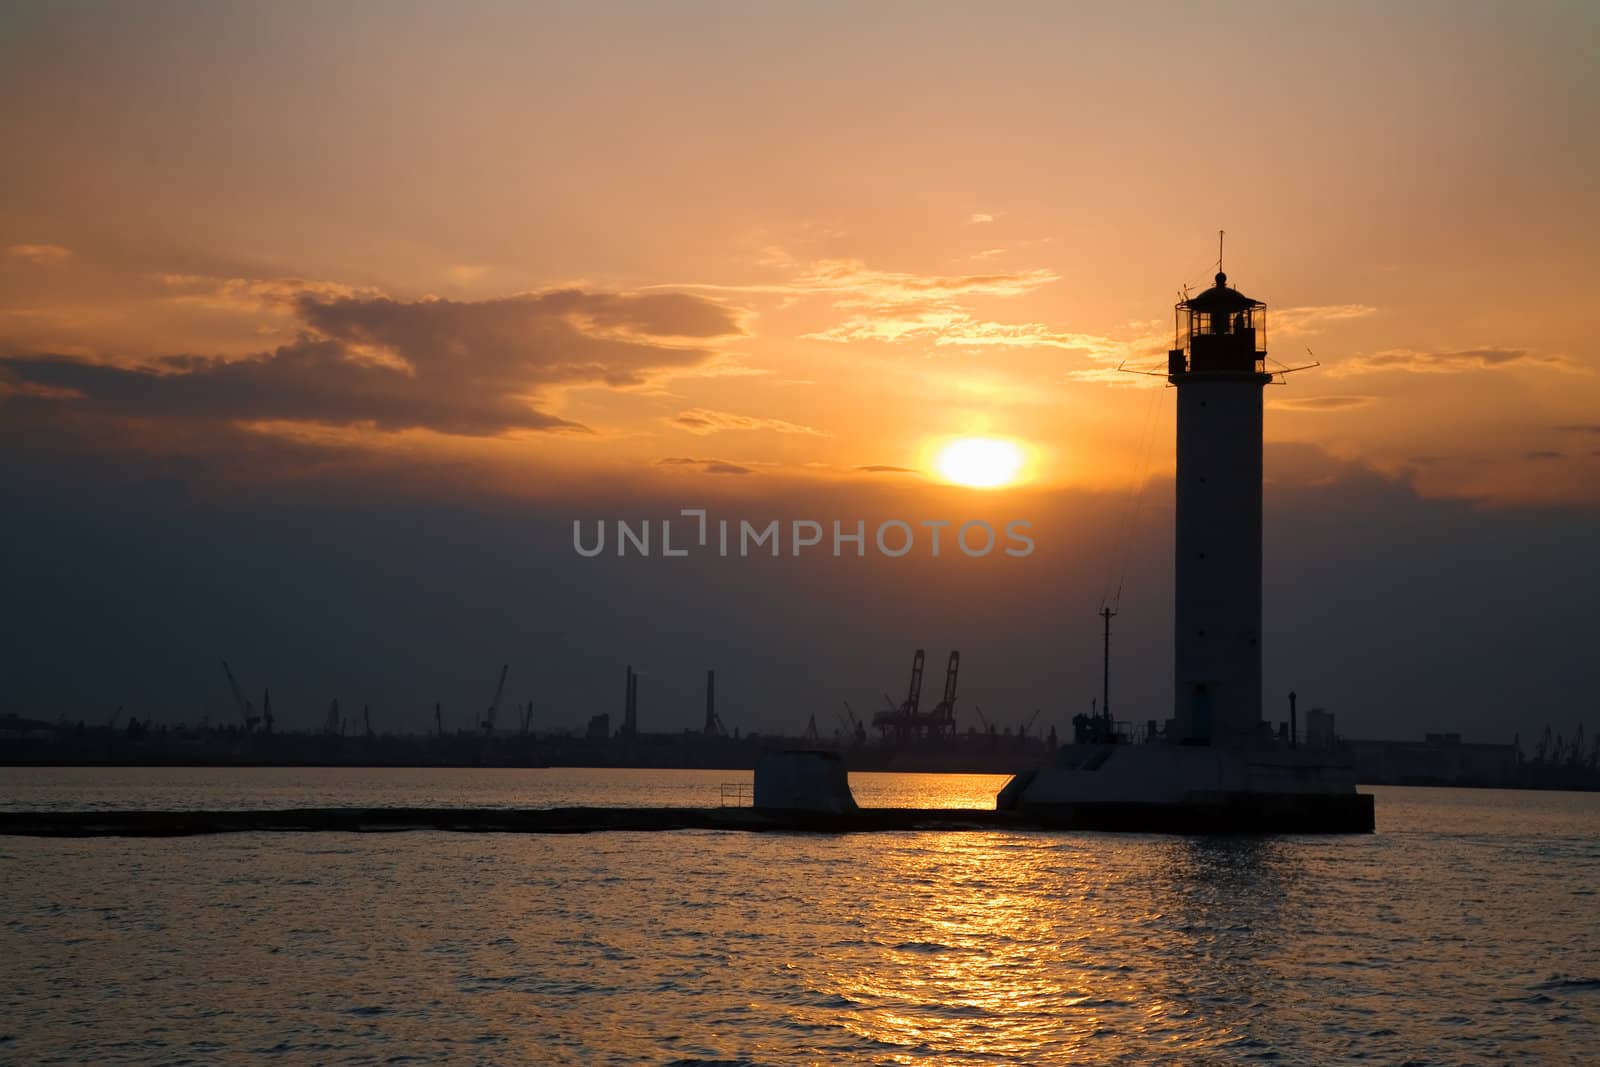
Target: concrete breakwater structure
[
  {"x": 487, "y": 820},
  {"x": 1132, "y": 817}
]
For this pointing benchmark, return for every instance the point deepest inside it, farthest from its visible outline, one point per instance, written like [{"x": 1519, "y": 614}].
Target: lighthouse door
[{"x": 1200, "y": 713}]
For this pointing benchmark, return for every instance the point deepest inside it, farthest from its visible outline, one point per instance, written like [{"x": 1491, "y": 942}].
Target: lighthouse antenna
[
  {"x": 1220, "y": 234},
  {"x": 1107, "y": 614}
]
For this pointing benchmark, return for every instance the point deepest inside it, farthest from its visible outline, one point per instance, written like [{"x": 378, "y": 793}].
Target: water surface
[{"x": 1463, "y": 932}]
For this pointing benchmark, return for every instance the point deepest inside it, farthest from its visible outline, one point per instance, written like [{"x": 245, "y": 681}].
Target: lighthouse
[
  {"x": 1218, "y": 364},
  {"x": 1216, "y": 768}
]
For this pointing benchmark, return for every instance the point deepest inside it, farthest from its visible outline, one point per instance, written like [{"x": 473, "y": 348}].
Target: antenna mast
[{"x": 1105, "y": 678}]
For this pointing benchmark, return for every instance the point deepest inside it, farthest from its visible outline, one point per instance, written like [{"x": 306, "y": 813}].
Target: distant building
[
  {"x": 1438, "y": 759},
  {"x": 1319, "y": 729}
]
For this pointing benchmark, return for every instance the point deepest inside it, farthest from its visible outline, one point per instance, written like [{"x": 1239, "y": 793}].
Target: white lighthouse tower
[
  {"x": 1218, "y": 363},
  {"x": 1217, "y": 767}
]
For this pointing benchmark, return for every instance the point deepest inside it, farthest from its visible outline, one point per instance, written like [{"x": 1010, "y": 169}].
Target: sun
[{"x": 980, "y": 462}]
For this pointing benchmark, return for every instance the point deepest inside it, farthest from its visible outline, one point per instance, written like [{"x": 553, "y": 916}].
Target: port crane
[
  {"x": 438, "y": 720},
  {"x": 858, "y": 729},
  {"x": 1027, "y": 726},
  {"x": 333, "y": 725},
  {"x": 494, "y": 705},
  {"x": 247, "y": 711},
  {"x": 713, "y": 725},
  {"x": 988, "y": 729},
  {"x": 903, "y": 722},
  {"x": 942, "y": 720}
]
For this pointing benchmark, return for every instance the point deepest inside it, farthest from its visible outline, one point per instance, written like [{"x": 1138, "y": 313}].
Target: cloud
[
  {"x": 947, "y": 326},
  {"x": 884, "y": 468},
  {"x": 1298, "y": 320},
  {"x": 250, "y": 295},
  {"x": 861, "y": 286},
  {"x": 565, "y": 335},
  {"x": 1111, "y": 376},
  {"x": 893, "y": 307},
  {"x": 308, "y": 381},
  {"x": 467, "y": 368},
  {"x": 1419, "y": 362},
  {"x": 39, "y": 253},
  {"x": 1591, "y": 427},
  {"x": 853, "y": 284},
  {"x": 1543, "y": 454},
  {"x": 706, "y": 421},
  {"x": 707, "y": 466},
  {"x": 1323, "y": 403},
  {"x": 980, "y": 217}
]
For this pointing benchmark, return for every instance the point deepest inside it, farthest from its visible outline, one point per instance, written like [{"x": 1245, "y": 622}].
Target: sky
[{"x": 320, "y": 324}]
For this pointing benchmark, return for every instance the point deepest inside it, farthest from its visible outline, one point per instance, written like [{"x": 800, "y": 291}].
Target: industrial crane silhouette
[
  {"x": 902, "y": 722},
  {"x": 247, "y": 711},
  {"x": 856, "y": 728},
  {"x": 494, "y": 705},
  {"x": 942, "y": 720}
]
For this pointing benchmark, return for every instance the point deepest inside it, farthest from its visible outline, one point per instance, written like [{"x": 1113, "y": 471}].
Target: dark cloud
[
  {"x": 458, "y": 368},
  {"x": 313, "y": 381},
  {"x": 1544, "y": 454},
  {"x": 124, "y": 563},
  {"x": 695, "y": 422},
  {"x": 884, "y": 468},
  {"x": 537, "y": 338},
  {"x": 708, "y": 466},
  {"x": 1591, "y": 427}
]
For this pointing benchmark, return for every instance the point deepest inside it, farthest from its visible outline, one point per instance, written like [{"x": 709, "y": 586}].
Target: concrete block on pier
[{"x": 803, "y": 781}]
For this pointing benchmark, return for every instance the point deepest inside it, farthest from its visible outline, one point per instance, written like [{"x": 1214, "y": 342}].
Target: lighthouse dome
[{"x": 1220, "y": 298}]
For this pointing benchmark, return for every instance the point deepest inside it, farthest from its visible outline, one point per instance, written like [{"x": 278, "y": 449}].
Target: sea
[{"x": 1465, "y": 931}]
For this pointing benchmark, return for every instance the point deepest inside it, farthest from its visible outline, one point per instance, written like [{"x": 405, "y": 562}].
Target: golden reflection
[{"x": 1034, "y": 948}]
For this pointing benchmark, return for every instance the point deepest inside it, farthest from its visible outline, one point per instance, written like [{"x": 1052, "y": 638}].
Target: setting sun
[{"x": 979, "y": 462}]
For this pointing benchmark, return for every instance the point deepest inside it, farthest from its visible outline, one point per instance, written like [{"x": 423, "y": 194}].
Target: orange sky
[{"x": 556, "y": 244}]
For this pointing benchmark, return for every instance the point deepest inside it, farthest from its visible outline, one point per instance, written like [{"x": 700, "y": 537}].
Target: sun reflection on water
[{"x": 1008, "y": 945}]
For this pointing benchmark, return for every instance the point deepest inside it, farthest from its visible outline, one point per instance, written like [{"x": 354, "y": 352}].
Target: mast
[{"x": 1105, "y": 672}]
